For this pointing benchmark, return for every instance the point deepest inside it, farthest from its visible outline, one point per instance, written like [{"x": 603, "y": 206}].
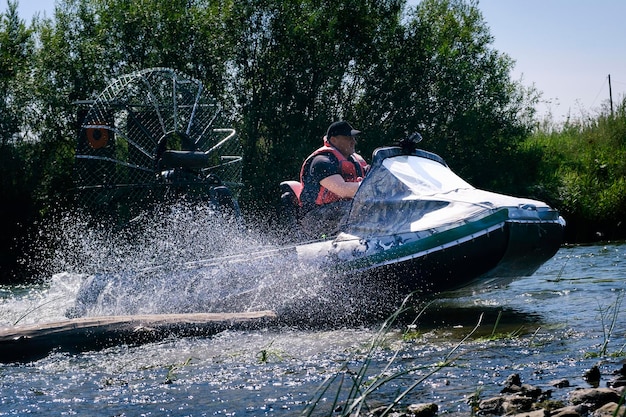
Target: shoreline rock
[{"x": 517, "y": 399}]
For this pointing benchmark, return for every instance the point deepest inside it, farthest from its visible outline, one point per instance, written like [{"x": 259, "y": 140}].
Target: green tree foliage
[
  {"x": 16, "y": 47},
  {"x": 16, "y": 183},
  {"x": 442, "y": 77},
  {"x": 187, "y": 35},
  {"x": 298, "y": 67}
]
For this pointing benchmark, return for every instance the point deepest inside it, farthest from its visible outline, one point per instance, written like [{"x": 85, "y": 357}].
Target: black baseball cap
[{"x": 341, "y": 128}]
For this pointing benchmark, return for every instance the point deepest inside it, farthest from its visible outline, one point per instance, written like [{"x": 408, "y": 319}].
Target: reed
[
  {"x": 362, "y": 386},
  {"x": 172, "y": 369},
  {"x": 496, "y": 335},
  {"x": 620, "y": 403},
  {"x": 266, "y": 354},
  {"x": 612, "y": 313},
  {"x": 474, "y": 401},
  {"x": 37, "y": 307},
  {"x": 608, "y": 320},
  {"x": 581, "y": 170}
]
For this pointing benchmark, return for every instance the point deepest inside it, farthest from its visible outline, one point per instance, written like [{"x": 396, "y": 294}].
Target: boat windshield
[
  {"x": 417, "y": 192},
  {"x": 423, "y": 177}
]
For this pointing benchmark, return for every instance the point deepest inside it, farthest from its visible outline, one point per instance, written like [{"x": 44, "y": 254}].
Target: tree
[
  {"x": 17, "y": 209},
  {"x": 441, "y": 76},
  {"x": 298, "y": 67},
  {"x": 16, "y": 48}
]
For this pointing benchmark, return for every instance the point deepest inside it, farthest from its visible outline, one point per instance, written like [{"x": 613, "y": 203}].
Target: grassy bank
[{"x": 583, "y": 173}]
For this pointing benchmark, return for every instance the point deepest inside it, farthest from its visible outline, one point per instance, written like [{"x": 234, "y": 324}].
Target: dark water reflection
[{"x": 545, "y": 327}]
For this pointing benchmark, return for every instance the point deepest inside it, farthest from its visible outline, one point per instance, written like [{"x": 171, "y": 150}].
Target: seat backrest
[{"x": 291, "y": 186}]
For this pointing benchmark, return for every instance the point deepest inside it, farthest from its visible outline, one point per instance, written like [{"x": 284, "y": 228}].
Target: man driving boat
[{"x": 330, "y": 177}]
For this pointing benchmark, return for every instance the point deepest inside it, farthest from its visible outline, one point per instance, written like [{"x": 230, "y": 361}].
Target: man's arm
[{"x": 339, "y": 186}]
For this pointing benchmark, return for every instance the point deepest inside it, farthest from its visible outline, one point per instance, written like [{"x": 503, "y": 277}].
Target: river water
[{"x": 555, "y": 324}]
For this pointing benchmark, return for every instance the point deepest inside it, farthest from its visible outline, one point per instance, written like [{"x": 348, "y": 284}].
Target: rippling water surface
[{"x": 555, "y": 324}]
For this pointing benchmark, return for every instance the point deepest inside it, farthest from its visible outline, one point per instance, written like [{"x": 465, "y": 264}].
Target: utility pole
[{"x": 610, "y": 95}]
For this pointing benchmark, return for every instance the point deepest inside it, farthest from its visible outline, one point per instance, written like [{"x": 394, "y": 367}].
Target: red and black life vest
[{"x": 351, "y": 171}]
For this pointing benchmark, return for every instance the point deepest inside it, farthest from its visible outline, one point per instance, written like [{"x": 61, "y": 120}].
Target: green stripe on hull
[{"x": 436, "y": 241}]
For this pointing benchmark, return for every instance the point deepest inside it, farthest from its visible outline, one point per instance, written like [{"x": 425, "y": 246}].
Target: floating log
[{"x": 32, "y": 342}]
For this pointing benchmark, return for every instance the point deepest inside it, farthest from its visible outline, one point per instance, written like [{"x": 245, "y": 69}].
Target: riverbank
[{"x": 518, "y": 399}]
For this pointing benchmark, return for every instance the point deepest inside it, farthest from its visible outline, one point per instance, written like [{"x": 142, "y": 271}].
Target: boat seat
[
  {"x": 294, "y": 187},
  {"x": 290, "y": 205},
  {"x": 183, "y": 159}
]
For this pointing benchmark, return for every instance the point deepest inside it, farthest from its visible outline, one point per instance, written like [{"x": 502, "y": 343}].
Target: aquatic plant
[
  {"x": 172, "y": 369},
  {"x": 620, "y": 403},
  {"x": 495, "y": 335},
  {"x": 608, "y": 332},
  {"x": 33, "y": 309},
  {"x": 474, "y": 400},
  {"x": 363, "y": 386},
  {"x": 580, "y": 168},
  {"x": 266, "y": 354},
  {"x": 608, "y": 320}
]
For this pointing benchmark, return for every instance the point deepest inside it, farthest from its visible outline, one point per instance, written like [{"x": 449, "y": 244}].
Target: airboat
[{"x": 414, "y": 225}]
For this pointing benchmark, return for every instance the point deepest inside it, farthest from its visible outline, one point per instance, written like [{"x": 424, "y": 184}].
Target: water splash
[
  {"x": 48, "y": 301},
  {"x": 180, "y": 259}
]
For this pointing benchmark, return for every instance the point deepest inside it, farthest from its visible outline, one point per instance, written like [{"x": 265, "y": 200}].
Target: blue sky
[{"x": 565, "y": 48}]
